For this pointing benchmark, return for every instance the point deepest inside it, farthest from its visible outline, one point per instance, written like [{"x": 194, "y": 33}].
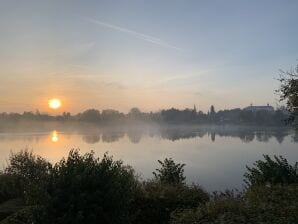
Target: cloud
[{"x": 136, "y": 34}]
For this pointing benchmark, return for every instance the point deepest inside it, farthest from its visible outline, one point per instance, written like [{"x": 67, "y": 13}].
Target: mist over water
[{"x": 215, "y": 156}]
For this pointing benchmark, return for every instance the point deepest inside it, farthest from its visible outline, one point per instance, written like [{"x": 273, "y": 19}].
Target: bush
[
  {"x": 29, "y": 176},
  {"x": 166, "y": 193},
  {"x": 27, "y": 215},
  {"x": 88, "y": 190},
  {"x": 271, "y": 197},
  {"x": 9, "y": 187},
  {"x": 265, "y": 205},
  {"x": 85, "y": 189},
  {"x": 33, "y": 176},
  {"x": 271, "y": 172},
  {"x": 170, "y": 173},
  {"x": 156, "y": 201}
]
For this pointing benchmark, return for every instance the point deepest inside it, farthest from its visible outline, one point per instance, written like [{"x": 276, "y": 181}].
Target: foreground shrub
[
  {"x": 27, "y": 215},
  {"x": 276, "y": 204},
  {"x": 166, "y": 193},
  {"x": 10, "y": 206},
  {"x": 271, "y": 172},
  {"x": 271, "y": 197},
  {"x": 85, "y": 189},
  {"x": 30, "y": 175},
  {"x": 9, "y": 187},
  {"x": 155, "y": 201},
  {"x": 88, "y": 190},
  {"x": 266, "y": 205}
]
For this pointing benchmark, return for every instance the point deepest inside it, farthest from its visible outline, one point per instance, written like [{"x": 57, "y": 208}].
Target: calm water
[{"x": 215, "y": 157}]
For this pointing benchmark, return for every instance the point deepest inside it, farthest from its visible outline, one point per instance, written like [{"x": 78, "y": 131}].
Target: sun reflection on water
[{"x": 54, "y": 137}]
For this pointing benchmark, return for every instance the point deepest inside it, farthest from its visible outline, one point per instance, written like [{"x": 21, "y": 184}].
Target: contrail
[{"x": 142, "y": 36}]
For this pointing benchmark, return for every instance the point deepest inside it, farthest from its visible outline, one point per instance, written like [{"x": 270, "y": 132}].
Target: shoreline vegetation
[
  {"x": 87, "y": 189},
  {"x": 237, "y": 116}
]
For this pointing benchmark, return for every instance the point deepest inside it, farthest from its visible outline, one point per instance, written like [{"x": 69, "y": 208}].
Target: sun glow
[{"x": 54, "y": 104}]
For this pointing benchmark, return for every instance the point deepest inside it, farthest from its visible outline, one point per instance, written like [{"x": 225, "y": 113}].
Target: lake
[{"x": 215, "y": 156}]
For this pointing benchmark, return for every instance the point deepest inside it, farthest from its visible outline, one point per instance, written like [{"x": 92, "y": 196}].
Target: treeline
[
  {"x": 169, "y": 116},
  {"x": 86, "y": 189}
]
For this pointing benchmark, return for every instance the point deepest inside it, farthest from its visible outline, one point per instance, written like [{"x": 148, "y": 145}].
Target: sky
[{"x": 147, "y": 54}]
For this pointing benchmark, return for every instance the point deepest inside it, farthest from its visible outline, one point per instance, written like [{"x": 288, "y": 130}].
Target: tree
[
  {"x": 135, "y": 113},
  {"x": 212, "y": 110},
  {"x": 170, "y": 172},
  {"x": 288, "y": 92},
  {"x": 90, "y": 115},
  {"x": 66, "y": 116},
  {"x": 111, "y": 115}
]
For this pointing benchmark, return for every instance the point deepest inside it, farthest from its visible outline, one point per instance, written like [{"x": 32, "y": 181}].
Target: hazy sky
[{"x": 149, "y": 54}]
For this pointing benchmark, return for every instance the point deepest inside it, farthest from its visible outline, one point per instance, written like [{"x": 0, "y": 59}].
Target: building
[{"x": 255, "y": 109}]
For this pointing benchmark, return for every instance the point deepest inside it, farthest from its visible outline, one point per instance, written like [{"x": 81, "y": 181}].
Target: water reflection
[
  {"x": 54, "y": 136},
  {"x": 91, "y": 139},
  {"x": 178, "y": 133},
  {"x": 135, "y": 136},
  {"x": 112, "y": 136},
  {"x": 174, "y": 133}
]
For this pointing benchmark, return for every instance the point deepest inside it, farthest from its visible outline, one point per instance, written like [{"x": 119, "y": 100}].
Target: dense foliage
[
  {"x": 32, "y": 174},
  {"x": 9, "y": 187},
  {"x": 166, "y": 193},
  {"x": 270, "y": 198},
  {"x": 79, "y": 189},
  {"x": 271, "y": 172},
  {"x": 170, "y": 173},
  {"x": 274, "y": 205},
  {"x": 156, "y": 201},
  {"x": 289, "y": 92},
  {"x": 86, "y": 189}
]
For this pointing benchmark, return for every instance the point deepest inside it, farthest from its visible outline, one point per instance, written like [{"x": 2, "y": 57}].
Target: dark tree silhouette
[
  {"x": 170, "y": 172},
  {"x": 212, "y": 110},
  {"x": 90, "y": 115},
  {"x": 288, "y": 92}
]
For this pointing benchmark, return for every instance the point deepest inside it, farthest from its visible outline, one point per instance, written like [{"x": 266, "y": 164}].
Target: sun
[{"x": 54, "y": 103}]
